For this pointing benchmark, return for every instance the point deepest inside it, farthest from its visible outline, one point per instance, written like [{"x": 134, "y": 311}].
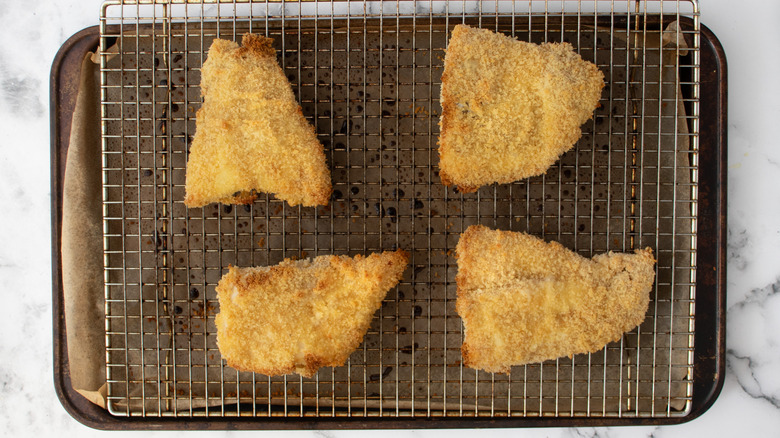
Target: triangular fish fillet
[
  {"x": 250, "y": 133},
  {"x": 523, "y": 300},
  {"x": 510, "y": 108},
  {"x": 298, "y": 316}
]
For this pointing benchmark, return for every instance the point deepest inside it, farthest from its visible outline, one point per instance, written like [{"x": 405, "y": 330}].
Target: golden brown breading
[
  {"x": 251, "y": 134},
  {"x": 524, "y": 301},
  {"x": 510, "y": 108},
  {"x": 298, "y": 316}
]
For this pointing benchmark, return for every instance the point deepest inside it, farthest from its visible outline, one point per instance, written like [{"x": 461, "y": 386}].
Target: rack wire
[{"x": 367, "y": 75}]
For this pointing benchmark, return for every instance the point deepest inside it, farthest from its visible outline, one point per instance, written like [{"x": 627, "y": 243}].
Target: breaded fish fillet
[
  {"x": 298, "y": 316},
  {"x": 510, "y": 108},
  {"x": 251, "y": 135},
  {"x": 524, "y": 301}
]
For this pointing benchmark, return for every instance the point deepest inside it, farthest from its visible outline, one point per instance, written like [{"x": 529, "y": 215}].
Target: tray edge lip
[
  {"x": 73, "y": 402},
  {"x": 720, "y": 194}
]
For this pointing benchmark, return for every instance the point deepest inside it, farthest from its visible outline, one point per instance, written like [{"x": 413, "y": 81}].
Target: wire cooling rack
[{"x": 367, "y": 75}]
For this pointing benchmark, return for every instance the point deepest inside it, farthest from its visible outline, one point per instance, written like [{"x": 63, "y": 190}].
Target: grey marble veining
[
  {"x": 752, "y": 354},
  {"x": 32, "y": 32}
]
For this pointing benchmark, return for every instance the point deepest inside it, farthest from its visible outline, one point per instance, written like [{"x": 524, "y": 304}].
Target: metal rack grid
[{"x": 367, "y": 75}]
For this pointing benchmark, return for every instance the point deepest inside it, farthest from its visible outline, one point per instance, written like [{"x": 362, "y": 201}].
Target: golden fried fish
[
  {"x": 250, "y": 133},
  {"x": 523, "y": 300},
  {"x": 510, "y": 108},
  {"x": 298, "y": 316}
]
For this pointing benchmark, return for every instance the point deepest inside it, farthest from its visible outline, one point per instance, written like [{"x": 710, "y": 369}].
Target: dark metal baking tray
[{"x": 710, "y": 281}]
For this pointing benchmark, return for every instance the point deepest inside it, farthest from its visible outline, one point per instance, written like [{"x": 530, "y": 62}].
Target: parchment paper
[{"x": 82, "y": 243}]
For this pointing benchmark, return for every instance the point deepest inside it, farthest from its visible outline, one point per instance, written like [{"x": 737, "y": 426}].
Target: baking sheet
[{"x": 411, "y": 355}]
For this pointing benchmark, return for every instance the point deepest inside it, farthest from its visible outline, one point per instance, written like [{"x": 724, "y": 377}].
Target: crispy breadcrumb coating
[
  {"x": 251, "y": 134},
  {"x": 523, "y": 300},
  {"x": 510, "y": 108},
  {"x": 298, "y": 316}
]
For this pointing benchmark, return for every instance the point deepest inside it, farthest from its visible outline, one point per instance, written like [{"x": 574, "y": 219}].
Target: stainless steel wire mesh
[{"x": 367, "y": 75}]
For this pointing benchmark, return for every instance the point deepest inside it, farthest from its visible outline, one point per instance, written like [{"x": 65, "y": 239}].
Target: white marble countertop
[{"x": 749, "y": 405}]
